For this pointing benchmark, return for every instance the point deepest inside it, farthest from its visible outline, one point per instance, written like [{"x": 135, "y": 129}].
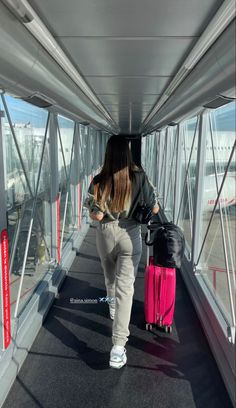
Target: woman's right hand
[{"x": 155, "y": 209}]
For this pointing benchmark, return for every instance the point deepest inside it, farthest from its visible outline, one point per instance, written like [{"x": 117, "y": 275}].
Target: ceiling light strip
[{"x": 37, "y": 28}]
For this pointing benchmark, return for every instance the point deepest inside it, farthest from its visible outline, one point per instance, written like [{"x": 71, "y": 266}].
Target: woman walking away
[{"x": 112, "y": 198}]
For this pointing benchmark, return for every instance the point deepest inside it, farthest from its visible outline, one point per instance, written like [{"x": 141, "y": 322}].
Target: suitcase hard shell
[{"x": 159, "y": 296}]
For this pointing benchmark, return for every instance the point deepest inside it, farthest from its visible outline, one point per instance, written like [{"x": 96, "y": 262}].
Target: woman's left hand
[{"x": 96, "y": 216}]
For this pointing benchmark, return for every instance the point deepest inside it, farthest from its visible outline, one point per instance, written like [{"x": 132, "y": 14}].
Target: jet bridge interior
[{"x": 161, "y": 74}]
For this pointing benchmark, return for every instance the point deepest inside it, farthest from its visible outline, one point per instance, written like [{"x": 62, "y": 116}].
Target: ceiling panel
[
  {"x": 126, "y": 17},
  {"x": 127, "y": 50},
  {"x": 124, "y": 112},
  {"x": 128, "y": 86},
  {"x": 111, "y": 98},
  {"x": 159, "y": 56},
  {"x": 125, "y": 105}
]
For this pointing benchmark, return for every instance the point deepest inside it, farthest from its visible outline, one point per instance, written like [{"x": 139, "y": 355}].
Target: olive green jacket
[{"x": 141, "y": 188}]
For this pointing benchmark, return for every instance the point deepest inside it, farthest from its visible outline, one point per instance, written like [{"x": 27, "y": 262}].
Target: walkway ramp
[{"x": 67, "y": 366}]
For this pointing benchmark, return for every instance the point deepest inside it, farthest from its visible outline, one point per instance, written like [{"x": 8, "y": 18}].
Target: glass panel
[
  {"x": 70, "y": 219},
  {"x": 188, "y": 177},
  {"x": 143, "y": 152},
  {"x": 172, "y": 142},
  {"x": 38, "y": 257},
  {"x": 158, "y": 160},
  {"x": 99, "y": 136},
  {"x": 218, "y": 254},
  {"x": 81, "y": 176},
  {"x": 65, "y": 157},
  {"x": 162, "y": 166},
  {"x": 149, "y": 159},
  {"x": 92, "y": 151},
  {"x": 89, "y": 151},
  {"x": 29, "y": 125},
  {"x": 153, "y": 161},
  {"x": 96, "y": 152},
  {"x": 84, "y": 172},
  {"x": 82, "y": 157}
]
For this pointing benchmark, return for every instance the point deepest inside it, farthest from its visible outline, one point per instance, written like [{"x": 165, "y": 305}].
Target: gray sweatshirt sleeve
[
  {"x": 149, "y": 193},
  {"x": 90, "y": 201}
]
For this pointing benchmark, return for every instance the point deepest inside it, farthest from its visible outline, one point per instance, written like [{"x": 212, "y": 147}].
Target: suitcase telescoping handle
[
  {"x": 148, "y": 235},
  {"x": 147, "y": 246}
]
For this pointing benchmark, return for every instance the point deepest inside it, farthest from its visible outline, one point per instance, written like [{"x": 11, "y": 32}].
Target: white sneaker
[{"x": 118, "y": 357}]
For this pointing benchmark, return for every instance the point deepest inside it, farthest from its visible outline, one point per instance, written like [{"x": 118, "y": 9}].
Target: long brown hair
[{"x": 113, "y": 185}]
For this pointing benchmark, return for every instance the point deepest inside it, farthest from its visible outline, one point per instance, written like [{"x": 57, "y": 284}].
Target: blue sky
[{"x": 23, "y": 112}]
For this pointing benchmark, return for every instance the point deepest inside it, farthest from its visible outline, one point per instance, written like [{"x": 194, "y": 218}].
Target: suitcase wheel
[
  {"x": 168, "y": 329},
  {"x": 148, "y": 327}
]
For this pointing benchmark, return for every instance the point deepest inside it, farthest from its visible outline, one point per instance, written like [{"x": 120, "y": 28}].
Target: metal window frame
[
  {"x": 99, "y": 149},
  {"x": 167, "y": 158},
  {"x": 61, "y": 146},
  {"x": 155, "y": 161},
  {"x": 220, "y": 336},
  {"x": 22, "y": 164},
  {"x": 177, "y": 189},
  {"x": 54, "y": 190},
  {"x": 161, "y": 165},
  {"x": 213, "y": 323},
  {"x": 230, "y": 329},
  {"x": 75, "y": 176},
  {"x": 187, "y": 165},
  {"x": 81, "y": 147},
  {"x": 232, "y": 305},
  {"x": 93, "y": 150},
  {"x": 26, "y": 326},
  {"x": 143, "y": 152},
  {"x": 151, "y": 156},
  {"x": 68, "y": 186},
  {"x": 33, "y": 212},
  {"x": 3, "y": 225},
  {"x": 158, "y": 161},
  {"x": 83, "y": 174},
  {"x": 170, "y": 175},
  {"x": 95, "y": 158},
  {"x": 88, "y": 152},
  {"x": 148, "y": 155},
  {"x": 199, "y": 186}
]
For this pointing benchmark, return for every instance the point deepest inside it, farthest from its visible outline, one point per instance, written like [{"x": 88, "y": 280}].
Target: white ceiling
[{"x": 127, "y": 50}]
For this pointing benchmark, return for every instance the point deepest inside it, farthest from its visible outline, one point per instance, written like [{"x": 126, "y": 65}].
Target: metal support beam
[
  {"x": 53, "y": 151},
  {"x": 33, "y": 215},
  {"x": 167, "y": 154},
  {"x": 177, "y": 191},
  {"x": 199, "y": 186},
  {"x": 158, "y": 169},
  {"x": 5, "y": 328},
  {"x": 68, "y": 189},
  {"x": 75, "y": 176}
]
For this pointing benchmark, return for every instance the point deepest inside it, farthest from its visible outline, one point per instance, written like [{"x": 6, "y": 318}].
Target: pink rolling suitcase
[{"x": 159, "y": 295}]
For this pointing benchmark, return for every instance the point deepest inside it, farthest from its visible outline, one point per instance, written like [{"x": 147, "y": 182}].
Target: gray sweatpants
[{"x": 119, "y": 246}]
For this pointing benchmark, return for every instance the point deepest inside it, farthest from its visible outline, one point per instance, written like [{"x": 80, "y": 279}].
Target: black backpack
[{"x": 168, "y": 244}]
